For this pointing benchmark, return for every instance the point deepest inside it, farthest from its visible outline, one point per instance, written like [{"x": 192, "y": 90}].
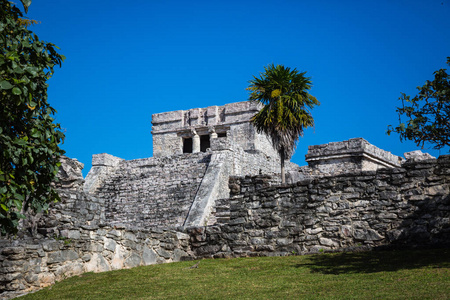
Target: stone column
[
  {"x": 195, "y": 143},
  {"x": 212, "y": 133}
]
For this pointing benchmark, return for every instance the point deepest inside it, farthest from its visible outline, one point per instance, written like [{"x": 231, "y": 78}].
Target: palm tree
[{"x": 286, "y": 111}]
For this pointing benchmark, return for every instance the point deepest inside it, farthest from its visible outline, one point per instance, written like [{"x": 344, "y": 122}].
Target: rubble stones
[{"x": 417, "y": 156}]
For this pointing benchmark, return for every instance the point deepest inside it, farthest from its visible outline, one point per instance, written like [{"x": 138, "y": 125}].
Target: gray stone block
[{"x": 133, "y": 260}]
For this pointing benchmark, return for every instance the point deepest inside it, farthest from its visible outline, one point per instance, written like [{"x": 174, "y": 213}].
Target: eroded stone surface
[
  {"x": 347, "y": 156},
  {"x": 417, "y": 155}
]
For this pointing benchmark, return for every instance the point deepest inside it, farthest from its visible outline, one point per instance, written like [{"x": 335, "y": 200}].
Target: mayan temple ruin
[{"x": 212, "y": 189}]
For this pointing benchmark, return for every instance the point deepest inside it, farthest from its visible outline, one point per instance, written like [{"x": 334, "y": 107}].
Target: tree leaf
[
  {"x": 16, "y": 91},
  {"x": 26, "y": 4},
  {"x": 4, "y": 207},
  {"x": 21, "y": 142},
  {"x": 5, "y": 85},
  {"x": 18, "y": 203}
]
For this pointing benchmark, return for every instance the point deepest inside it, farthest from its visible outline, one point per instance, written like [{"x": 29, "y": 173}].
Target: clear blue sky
[{"x": 129, "y": 60}]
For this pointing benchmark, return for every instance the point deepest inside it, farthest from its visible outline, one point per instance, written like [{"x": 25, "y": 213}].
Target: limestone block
[
  {"x": 110, "y": 244},
  {"x": 68, "y": 270},
  {"x": 12, "y": 250},
  {"x": 163, "y": 253},
  {"x": 95, "y": 247},
  {"x": 314, "y": 230},
  {"x": 149, "y": 256},
  {"x": 328, "y": 242},
  {"x": 61, "y": 256},
  {"x": 207, "y": 250},
  {"x": 133, "y": 260},
  {"x": 269, "y": 248},
  {"x": 74, "y": 234},
  {"x": 11, "y": 276},
  {"x": 105, "y": 159},
  {"x": 417, "y": 156},
  {"x": 256, "y": 233},
  {"x": 31, "y": 278},
  {"x": 317, "y": 248},
  {"x": 129, "y": 236},
  {"x": 69, "y": 255},
  {"x": 387, "y": 215},
  {"x": 396, "y": 234},
  {"x": 367, "y": 235},
  {"x": 167, "y": 246},
  {"x": 46, "y": 279},
  {"x": 258, "y": 241},
  {"x": 97, "y": 264},
  {"x": 346, "y": 230},
  {"x": 86, "y": 257},
  {"x": 284, "y": 241},
  {"x": 129, "y": 244},
  {"x": 117, "y": 262},
  {"x": 182, "y": 236},
  {"x": 54, "y": 257},
  {"x": 167, "y": 117},
  {"x": 437, "y": 190},
  {"x": 51, "y": 245},
  {"x": 70, "y": 169},
  {"x": 391, "y": 195},
  {"x": 114, "y": 233},
  {"x": 179, "y": 254}
]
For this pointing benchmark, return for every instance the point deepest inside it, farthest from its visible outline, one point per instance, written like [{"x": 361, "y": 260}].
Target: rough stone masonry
[{"x": 212, "y": 190}]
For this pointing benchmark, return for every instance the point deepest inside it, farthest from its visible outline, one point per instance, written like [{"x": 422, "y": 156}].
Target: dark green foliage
[
  {"x": 286, "y": 111},
  {"x": 29, "y": 151},
  {"x": 427, "y": 114}
]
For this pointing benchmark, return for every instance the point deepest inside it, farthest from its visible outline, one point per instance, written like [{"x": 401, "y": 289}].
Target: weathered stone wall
[
  {"x": 29, "y": 264},
  {"x": 74, "y": 238},
  {"x": 249, "y": 162},
  {"x": 407, "y": 206},
  {"x": 103, "y": 166},
  {"x": 153, "y": 191},
  {"x": 76, "y": 208},
  {"x": 171, "y": 191},
  {"x": 227, "y": 161}
]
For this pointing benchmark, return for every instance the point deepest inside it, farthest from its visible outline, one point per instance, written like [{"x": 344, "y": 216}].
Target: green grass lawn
[{"x": 418, "y": 274}]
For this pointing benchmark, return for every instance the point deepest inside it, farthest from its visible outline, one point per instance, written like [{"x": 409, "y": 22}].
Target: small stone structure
[
  {"x": 211, "y": 201},
  {"x": 344, "y": 157},
  {"x": 354, "y": 154},
  {"x": 191, "y": 131}
]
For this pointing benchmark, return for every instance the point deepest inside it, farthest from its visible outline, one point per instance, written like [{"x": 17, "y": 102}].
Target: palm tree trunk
[{"x": 283, "y": 177}]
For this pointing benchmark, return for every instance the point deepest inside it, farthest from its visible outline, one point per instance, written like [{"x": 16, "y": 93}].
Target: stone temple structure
[{"x": 195, "y": 153}]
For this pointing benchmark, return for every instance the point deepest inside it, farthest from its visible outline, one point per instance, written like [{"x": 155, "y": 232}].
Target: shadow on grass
[{"x": 377, "y": 261}]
